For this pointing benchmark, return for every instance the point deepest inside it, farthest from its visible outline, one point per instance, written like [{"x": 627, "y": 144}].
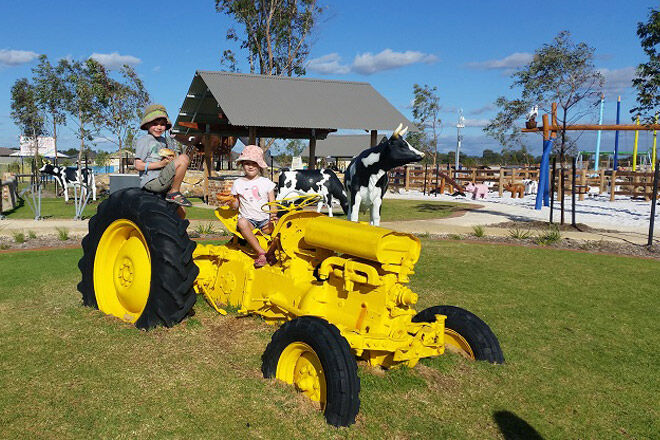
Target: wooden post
[
  {"x": 583, "y": 183},
  {"x": 501, "y": 188},
  {"x": 374, "y": 138},
  {"x": 612, "y": 185},
  {"x": 474, "y": 176},
  {"x": 601, "y": 176},
  {"x": 312, "y": 151},
  {"x": 208, "y": 161},
  {"x": 252, "y": 136},
  {"x": 407, "y": 177},
  {"x": 514, "y": 174}
]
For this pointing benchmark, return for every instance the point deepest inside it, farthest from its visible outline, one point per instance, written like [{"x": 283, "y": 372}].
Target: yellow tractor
[{"x": 339, "y": 288}]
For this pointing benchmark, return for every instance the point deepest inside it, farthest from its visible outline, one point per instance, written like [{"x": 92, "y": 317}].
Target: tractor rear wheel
[
  {"x": 465, "y": 333},
  {"x": 137, "y": 260},
  {"x": 311, "y": 354}
]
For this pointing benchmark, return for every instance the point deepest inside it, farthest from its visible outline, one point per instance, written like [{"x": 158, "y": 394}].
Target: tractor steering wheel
[{"x": 292, "y": 203}]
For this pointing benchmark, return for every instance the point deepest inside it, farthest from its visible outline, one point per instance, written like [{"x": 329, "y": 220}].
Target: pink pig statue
[{"x": 479, "y": 190}]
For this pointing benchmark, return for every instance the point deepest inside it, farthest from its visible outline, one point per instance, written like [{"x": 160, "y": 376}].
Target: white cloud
[
  {"x": 617, "y": 80},
  {"x": 513, "y": 61},
  {"x": 368, "y": 63},
  {"x": 328, "y": 64},
  {"x": 476, "y": 122},
  {"x": 16, "y": 57},
  {"x": 114, "y": 60},
  {"x": 156, "y": 69}
]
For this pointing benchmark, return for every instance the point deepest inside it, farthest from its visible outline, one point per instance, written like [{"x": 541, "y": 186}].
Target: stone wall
[{"x": 219, "y": 185}]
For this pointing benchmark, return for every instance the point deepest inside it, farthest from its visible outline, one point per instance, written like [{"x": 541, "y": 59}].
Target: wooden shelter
[{"x": 221, "y": 107}]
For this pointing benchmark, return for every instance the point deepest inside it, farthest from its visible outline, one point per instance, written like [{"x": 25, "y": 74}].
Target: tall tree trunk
[
  {"x": 82, "y": 138},
  {"x": 55, "y": 138}
]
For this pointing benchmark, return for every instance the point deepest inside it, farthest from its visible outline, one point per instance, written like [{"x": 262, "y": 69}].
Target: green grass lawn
[
  {"x": 579, "y": 332},
  {"x": 392, "y": 210}
]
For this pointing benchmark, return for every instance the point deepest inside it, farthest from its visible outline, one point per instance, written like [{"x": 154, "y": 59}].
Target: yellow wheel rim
[
  {"x": 457, "y": 344},
  {"x": 299, "y": 365},
  {"x": 122, "y": 271}
]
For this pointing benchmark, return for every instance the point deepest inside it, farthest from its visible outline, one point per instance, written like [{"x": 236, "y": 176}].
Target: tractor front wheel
[
  {"x": 311, "y": 354},
  {"x": 137, "y": 260},
  {"x": 465, "y": 333}
]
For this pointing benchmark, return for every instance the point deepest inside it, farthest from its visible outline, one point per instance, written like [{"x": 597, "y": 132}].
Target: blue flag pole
[{"x": 616, "y": 135}]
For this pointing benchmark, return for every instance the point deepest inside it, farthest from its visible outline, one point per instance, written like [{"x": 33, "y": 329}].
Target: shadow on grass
[{"x": 513, "y": 427}]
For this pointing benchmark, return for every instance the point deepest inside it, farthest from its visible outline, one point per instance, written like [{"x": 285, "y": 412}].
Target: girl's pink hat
[{"x": 253, "y": 153}]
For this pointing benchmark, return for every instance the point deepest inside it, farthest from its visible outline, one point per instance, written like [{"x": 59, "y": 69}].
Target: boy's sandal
[
  {"x": 260, "y": 261},
  {"x": 178, "y": 198}
]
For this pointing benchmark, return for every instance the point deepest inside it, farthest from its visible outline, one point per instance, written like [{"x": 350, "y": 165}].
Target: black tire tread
[
  {"x": 171, "y": 295},
  {"x": 339, "y": 364},
  {"x": 476, "y": 332}
]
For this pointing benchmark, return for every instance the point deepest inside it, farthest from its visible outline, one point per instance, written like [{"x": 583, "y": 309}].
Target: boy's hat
[
  {"x": 253, "y": 153},
  {"x": 153, "y": 112}
]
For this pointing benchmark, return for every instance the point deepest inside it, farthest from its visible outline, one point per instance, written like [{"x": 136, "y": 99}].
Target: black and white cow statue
[
  {"x": 72, "y": 176},
  {"x": 366, "y": 177},
  {"x": 323, "y": 182}
]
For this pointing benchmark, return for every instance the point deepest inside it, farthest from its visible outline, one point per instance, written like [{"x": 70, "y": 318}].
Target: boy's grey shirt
[{"x": 146, "y": 149}]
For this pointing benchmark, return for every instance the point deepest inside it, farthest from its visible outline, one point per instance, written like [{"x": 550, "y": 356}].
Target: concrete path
[{"x": 462, "y": 224}]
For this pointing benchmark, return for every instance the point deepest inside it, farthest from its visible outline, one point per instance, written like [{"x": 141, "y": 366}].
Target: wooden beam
[
  {"x": 208, "y": 161},
  {"x": 252, "y": 135},
  {"x": 374, "y": 138},
  {"x": 312, "y": 152}
]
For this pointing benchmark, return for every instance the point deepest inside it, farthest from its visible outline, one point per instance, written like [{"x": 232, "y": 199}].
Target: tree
[
  {"x": 505, "y": 127},
  {"x": 647, "y": 79},
  {"x": 102, "y": 158},
  {"x": 83, "y": 98},
  {"x": 50, "y": 93},
  {"x": 26, "y": 113},
  {"x": 426, "y": 106},
  {"x": 275, "y": 34},
  {"x": 120, "y": 105},
  {"x": 562, "y": 72}
]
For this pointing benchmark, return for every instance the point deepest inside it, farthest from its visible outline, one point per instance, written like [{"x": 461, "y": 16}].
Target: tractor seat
[{"x": 229, "y": 218}]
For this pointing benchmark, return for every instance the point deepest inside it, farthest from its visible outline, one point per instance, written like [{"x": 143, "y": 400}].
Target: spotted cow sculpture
[
  {"x": 322, "y": 181},
  {"x": 71, "y": 176},
  {"x": 366, "y": 177}
]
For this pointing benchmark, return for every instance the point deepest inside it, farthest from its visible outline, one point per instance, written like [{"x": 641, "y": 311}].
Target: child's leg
[
  {"x": 245, "y": 227},
  {"x": 181, "y": 164}
]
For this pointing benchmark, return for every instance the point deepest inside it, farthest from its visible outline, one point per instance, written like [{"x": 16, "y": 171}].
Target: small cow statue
[
  {"x": 478, "y": 190},
  {"x": 366, "y": 176},
  {"x": 71, "y": 176},
  {"x": 323, "y": 182},
  {"x": 531, "y": 186},
  {"x": 517, "y": 189}
]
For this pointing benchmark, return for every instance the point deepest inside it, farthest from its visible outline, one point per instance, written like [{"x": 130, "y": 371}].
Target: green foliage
[
  {"x": 426, "y": 106},
  {"x": 520, "y": 233},
  {"x": 62, "y": 234},
  {"x": 205, "y": 229},
  {"x": 32, "y": 234},
  {"x": 25, "y": 111},
  {"x": 273, "y": 33},
  {"x": 19, "y": 237},
  {"x": 505, "y": 127},
  {"x": 123, "y": 101},
  {"x": 4, "y": 246},
  {"x": 478, "y": 231},
  {"x": 50, "y": 93},
  {"x": 102, "y": 158},
  {"x": 549, "y": 237},
  {"x": 647, "y": 79}
]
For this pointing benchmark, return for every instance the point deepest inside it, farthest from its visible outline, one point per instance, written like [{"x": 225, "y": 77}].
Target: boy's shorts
[
  {"x": 258, "y": 224},
  {"x": 163, "y": 182}
]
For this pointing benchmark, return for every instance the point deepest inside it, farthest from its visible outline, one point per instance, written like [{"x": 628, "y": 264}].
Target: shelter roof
[{"x": 282, "y": 106}]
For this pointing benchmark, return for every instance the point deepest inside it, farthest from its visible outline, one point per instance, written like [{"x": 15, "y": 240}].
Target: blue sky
[{"x": 466, "y": 49}]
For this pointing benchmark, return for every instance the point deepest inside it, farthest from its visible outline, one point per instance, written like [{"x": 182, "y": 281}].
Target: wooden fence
[{"x": 440, "y": 179}]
